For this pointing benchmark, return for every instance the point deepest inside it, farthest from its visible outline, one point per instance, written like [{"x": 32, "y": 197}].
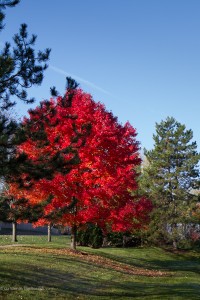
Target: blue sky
[{"x": 141, "y": 58}]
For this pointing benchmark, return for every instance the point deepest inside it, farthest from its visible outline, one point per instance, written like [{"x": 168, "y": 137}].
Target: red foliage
[{"x": 106, "y": 173}]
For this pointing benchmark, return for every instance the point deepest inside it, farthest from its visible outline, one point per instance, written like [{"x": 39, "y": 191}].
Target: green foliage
[
  {"x": 169, "y": 179},
  {"x": 21, "y": 68},
  {"x": 8, "y": 138},
  {"x": 123, "y": 239},
  {"x": 4, "y": 209},
  {"x": 90, "y": 235},
  {"x": 96, "y": 238}
]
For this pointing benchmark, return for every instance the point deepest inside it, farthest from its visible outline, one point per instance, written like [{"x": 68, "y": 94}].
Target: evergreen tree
[
  {"x": 169, "y": 178},
  {"x": 20, "y": 69},
  {"x": 90, "y": 235}
]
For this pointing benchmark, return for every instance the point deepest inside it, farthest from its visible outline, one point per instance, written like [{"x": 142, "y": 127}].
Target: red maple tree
[{"x": 100, "y": 161}]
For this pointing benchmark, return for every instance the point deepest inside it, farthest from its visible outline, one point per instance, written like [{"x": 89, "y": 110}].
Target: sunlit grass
[
  {"x": 42, "y": 270},
  {"x": 57, "y": 241}
]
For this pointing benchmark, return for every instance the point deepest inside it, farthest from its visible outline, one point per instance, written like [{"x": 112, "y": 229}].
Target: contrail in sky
[{"x": 79, "y": 79}]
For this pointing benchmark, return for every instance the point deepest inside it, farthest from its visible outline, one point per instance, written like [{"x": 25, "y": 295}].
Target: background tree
[
  {"x": 16, "y": 210},
  {"x": 20, "y": 69},
  {"x": 169, "y": 178},
  {"x": 90, "y": 235}
]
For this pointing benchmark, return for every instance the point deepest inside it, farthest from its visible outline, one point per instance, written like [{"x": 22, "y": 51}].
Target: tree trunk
[
  {"x": 73, "y": 237},
  {"x": 174, "y": 244},
  {"x": 174, "y": 236},
  {"x": 14, "y": 232},
  {"x": 105, "y": 241},
  {"x": 49, "y": 232},
  {"x": 124, "y": 241}
]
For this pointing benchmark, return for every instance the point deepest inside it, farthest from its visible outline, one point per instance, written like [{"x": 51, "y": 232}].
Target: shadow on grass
[
  {"x": 166, "y": 261},
  {"x": 74, "y": 280}
]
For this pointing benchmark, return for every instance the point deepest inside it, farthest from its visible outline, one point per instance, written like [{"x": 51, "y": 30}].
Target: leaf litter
[{"x": 101, "y": 261}]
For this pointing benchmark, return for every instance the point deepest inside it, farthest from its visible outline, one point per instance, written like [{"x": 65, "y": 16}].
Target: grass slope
[{"x": 39, "y": 270}]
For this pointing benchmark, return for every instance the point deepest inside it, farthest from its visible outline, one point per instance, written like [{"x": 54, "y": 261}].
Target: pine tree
[
  {"x": 20, "y": 68},
  {"x": 169, "y": 179}
]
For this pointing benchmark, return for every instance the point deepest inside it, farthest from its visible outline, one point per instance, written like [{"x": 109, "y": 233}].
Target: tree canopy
[
  {"x": 93, "y": 160},
  {"x": 170, "y": 177}
]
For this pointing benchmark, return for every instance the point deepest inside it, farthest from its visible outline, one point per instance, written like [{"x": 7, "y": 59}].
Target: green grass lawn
[{"x": 41, "y": 270}]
